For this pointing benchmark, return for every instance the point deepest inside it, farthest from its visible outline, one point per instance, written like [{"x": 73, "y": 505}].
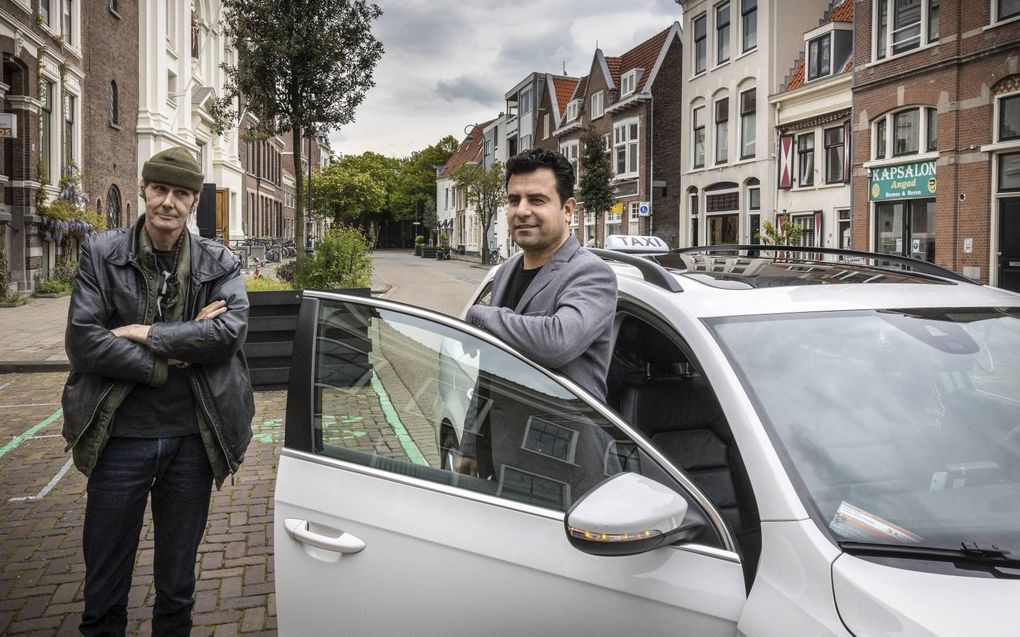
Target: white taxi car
[{"x": 793, "y": 443}]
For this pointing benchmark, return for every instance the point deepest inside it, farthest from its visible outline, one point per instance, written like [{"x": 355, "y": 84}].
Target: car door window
[{"x": 407, "y": 395}]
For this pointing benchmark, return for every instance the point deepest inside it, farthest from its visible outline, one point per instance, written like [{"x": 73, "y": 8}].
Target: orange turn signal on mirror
[{"x": 612, "y": 537}]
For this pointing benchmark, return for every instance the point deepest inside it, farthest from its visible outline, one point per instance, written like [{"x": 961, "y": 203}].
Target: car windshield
[{"x": 901, "y": 426}]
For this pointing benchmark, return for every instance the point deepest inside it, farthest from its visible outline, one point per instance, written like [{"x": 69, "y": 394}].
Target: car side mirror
[{"x": 628, "y": 514}]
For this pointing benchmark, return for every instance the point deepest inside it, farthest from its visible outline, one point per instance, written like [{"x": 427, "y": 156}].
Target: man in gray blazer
[{"x": 554, "y": 302}]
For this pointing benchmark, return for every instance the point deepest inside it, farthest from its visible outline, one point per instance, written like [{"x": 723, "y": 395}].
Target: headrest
[{"x": 647, "y": 343}]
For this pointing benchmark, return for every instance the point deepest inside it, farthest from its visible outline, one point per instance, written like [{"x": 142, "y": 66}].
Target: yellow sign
[{"x": 617, "y": 208}]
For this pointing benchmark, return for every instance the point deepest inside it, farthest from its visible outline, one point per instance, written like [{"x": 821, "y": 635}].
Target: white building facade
[
  {"x": 737, "y": 54},
  {"x": 181, "y": 48}
]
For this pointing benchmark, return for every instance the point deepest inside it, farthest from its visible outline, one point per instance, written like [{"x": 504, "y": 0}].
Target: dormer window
[
  {"x": 820, "y": 57},
  {"x": 573, "y": 110},
  {"x": 628, "y": 83}
]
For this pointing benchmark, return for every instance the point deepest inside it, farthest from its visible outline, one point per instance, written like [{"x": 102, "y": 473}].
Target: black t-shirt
[
  {"x": 159, "y": 412},
  {"x": 519, "y": 281}
]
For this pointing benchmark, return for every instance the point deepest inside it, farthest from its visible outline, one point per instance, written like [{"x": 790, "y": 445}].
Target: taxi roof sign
[{"x": 636, "y": 243}]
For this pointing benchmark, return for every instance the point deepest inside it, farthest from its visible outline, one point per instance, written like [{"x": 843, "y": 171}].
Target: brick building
[
  {"x": 936, "y": 153},
  {"x": 633, "y": 101},
  {"x": 42, "y": 86},
  {"x": 110, "y": 162},
  {"x": 264, "y": 195},
  {"x": 314, "y": 156}
]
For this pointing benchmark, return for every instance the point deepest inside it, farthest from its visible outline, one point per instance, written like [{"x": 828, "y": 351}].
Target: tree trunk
[{"x": 299, "y": 202}]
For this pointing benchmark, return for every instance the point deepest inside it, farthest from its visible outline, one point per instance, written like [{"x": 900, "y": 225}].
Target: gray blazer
[{"x": 564, "y": 321}]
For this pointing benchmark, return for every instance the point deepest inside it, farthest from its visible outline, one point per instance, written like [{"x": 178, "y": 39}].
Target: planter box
[
  {"x": 428, "y": 252},
  {"x": 417, "y": 251},
  {"x": 272, "y": 320}
]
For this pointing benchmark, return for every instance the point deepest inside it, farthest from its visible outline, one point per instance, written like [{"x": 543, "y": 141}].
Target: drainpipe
[{"x": 651, "y": 159}]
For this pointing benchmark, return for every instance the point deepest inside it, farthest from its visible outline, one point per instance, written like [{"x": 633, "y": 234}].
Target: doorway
[
  {"x": 906, "y": 228},
  {"x": 1009, "y": 244}
]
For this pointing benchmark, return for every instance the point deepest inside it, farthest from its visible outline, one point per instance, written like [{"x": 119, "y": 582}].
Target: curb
[{"x": 31, "y": 367}]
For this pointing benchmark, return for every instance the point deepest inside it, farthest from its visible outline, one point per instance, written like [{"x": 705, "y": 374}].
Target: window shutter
[
  {"x": 846, "y": 152},
  {"x": 785, "y": 162}
]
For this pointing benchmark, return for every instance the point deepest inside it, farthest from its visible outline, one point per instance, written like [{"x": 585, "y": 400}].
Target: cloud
[{"x": 470, "y": 89}]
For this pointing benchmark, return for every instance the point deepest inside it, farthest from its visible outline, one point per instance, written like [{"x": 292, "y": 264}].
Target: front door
[
  {"x": 1009, "y": 244},
  {"x": 223, "y": 215},
  {"x": 381, "y": 527}
]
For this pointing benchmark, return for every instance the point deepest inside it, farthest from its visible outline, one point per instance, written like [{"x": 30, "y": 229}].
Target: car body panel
[
  {"x": 437, "y": 562},
  {"x": 874, "y": 599}
]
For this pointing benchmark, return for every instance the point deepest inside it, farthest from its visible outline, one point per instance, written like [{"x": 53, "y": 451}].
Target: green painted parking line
[
  {"x": 405, "y": 439},
  {"x": 13, "y": 444}
]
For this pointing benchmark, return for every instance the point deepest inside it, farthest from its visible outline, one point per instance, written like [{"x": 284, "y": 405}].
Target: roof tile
[
  {"x": 565, "y": 87},
  {"x": 643, "y": 56},
  {"x": 469, "y": 150}
]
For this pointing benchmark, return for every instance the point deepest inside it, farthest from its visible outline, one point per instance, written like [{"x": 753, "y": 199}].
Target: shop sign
[{"x": 903, "y": 181}]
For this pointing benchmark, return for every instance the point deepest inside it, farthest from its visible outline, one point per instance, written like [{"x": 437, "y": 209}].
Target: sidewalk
[{"x": 33, "y": 336}]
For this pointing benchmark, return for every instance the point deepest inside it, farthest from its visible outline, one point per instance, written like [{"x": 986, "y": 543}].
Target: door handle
[{"x": 346, "y": 543}]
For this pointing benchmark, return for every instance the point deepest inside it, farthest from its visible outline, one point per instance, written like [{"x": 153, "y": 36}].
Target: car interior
[{"x": 659, "y": 390}]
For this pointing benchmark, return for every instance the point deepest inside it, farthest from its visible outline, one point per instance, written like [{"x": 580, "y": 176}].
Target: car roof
[{"x": 742, "y": 285}]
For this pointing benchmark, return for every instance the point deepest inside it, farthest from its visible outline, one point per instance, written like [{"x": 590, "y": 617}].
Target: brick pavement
[
  {"x": 40, "y": 560},
  {"x": 34, "y": 333}
]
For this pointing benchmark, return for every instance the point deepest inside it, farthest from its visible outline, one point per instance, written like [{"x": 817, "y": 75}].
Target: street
[{"x": 42, "y": 496}]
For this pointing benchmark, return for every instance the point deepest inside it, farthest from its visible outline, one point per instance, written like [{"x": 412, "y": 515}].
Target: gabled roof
[
  {"x": 470, "y": 150},
  {"x": 561, "y": 89},
  {"x": 580, "y": 89},
  {"x": 844, "y": 12},
  {"x": 643, "y": 56}
]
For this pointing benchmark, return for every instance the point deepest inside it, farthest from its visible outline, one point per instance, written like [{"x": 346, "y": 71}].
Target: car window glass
[{"x": 405, "y": 395}]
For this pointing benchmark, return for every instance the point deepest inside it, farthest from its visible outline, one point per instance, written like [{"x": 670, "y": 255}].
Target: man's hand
[
  {"x": 212, "y": 310},
  {"x": 137, "y": 333}
]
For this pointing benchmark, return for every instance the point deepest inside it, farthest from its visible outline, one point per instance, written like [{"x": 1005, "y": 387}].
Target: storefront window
[
  {"x": 722, "y": 229},
  {"x": 906, "y": 228},
  {"x": 1009, "y": 117}
]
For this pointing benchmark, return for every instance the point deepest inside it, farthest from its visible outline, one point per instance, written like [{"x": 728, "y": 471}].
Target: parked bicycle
[{"x": 495, "y": 257}]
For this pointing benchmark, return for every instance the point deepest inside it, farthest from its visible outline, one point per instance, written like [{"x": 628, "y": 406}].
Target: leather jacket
[{"x": 110, "y": 291}]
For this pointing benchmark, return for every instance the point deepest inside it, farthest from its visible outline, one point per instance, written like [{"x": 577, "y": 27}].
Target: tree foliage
[
  {"x": 786, "y": 234},
  {"x": 486, "y": 192},
  {"x": 355, "y": 188},
  {"x": 342, "y": 259},
  {"x": 302, "y": 66},
  {"x": 415, "y": 194},
  {"x": 593, "y": 188}
]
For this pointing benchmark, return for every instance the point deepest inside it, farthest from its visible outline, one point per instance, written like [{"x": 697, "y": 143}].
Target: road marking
[
  {"x": 32, "y": 405},
  {"x": 49, "y": 485},
  {"x": 17, "y": 440},
  {"x": 405, "y": 439},
  {"x": 5, "y": 385}
]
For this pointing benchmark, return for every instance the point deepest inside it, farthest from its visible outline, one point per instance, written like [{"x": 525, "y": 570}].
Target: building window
[
  {"x": 747, "y": 119},
  {"x": 722, "y": 118},
  {"x": 880, "y": 138},
  {"x": 699, "y": 137},
  {"x": 906, "y": 228},
  {"x": 749, "y": 24},
  {"x": 819, "y": 57},
  {"x": 625, "y": 148},
  {"x": 628, "y": 83},
  {"x": 843, "y": 230},
  {"x": 1009, "y": 116},
  {"x": 573, "y": 110},
  {"x": 46, "y": 126},
  {"x": 807, "y": 225},
  {"x": 545, "y": 128},
  {"x": 525, "y": 101},
  {"x": 196, "y": 36},
  {"x": 171, "y": 23},
  {"x": 114, "y": 106},
  {"x": 834, "y": 155},
  {"x": 903, "y": 25},
  {"x": 69, "y": 125},
  {"x": 1006, "y": 9},
  {"x": 806, "y": 158},
  {"x": 692, "y": 194},
  {"x": 569, "y": 150},
  {"x": 700, "y": 43},
  {"x": 1009, "y": 172},
  {"x": 525, "y": 142},
  {"x": 596, "y": 105},
  {"x": 66, "y": 22},
  {"x": 44, "y": 11},
  {"x": 171, "y": 88},
  {"x": 113, "y": 207},
  {"x": 722, "y": 33},
  {"x": 933, "y": 130},
  {"x": 634, "y": 215},
  {"x": 906, "y": 132}
]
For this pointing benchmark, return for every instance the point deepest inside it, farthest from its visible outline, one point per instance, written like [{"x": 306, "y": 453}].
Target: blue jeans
[{"x": 176, "y": 472}]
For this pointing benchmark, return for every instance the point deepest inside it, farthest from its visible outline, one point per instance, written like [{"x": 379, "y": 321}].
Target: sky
[{"x": 448, "y": 63}]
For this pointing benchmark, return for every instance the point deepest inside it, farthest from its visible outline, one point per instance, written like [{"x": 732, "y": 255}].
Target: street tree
[
  {"x": 785, "y": 233},
  {"x": 302, "y": 66},
  {"x": 356, "y": 189},
  {"x": 414, "y": 197},
  {"x": 486, "y": 192},
  {"x": 593, "y": 187}
]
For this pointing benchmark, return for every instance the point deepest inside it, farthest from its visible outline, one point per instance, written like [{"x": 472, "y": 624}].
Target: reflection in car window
[
  {"x": 408, "y": 396},
  {"x": 904, "y": 425}
]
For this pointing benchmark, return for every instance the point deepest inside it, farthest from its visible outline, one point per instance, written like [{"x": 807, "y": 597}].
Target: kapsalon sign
[{"x": 904, "y": 181}]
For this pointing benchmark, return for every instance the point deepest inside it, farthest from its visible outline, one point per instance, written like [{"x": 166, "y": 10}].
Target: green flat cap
[{"x": 174, "y": 167}]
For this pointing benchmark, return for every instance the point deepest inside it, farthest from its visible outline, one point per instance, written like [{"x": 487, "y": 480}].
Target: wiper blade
[{"x": 989, "y": 556}]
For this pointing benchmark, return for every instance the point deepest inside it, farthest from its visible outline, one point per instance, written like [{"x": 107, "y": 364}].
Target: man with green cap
[{"x": 158, "y": 403}]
